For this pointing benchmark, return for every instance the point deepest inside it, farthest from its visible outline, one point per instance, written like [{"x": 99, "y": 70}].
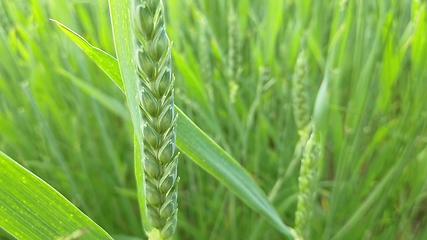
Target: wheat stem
[{"x": 234, "y": 57}]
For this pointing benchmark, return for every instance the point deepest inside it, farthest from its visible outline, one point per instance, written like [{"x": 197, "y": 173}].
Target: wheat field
[{"x": 260, "y": 78}]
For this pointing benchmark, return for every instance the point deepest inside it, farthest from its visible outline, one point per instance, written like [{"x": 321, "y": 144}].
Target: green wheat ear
[
  {"x": 307, "y": 182},
  {"x": 153, "y": 59},
  {"x": 300, "y": 95}
]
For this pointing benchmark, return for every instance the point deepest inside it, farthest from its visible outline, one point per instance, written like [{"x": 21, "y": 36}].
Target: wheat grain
[{"x": 156, "y": 80}]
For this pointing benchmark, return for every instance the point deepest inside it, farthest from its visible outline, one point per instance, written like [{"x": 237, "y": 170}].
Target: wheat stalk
[
  {"x": 234, "y": 56},
  {"x": 156, "y": 80}
]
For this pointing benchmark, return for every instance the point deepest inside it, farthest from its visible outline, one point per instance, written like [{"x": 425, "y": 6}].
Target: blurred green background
[{"x": 234, "y": 62}]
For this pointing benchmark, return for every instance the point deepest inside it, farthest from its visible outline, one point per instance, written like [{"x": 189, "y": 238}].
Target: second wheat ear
[{"x": 156, "y": 94}]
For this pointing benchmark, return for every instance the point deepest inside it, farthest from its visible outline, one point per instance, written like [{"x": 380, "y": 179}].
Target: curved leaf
[
  {"x": 32, "y": 209},
  {"x": 95, "y": 54}
]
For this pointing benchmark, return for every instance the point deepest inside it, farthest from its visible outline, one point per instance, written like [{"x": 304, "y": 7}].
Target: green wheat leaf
[
  {"x": 31, "y": 209},
  {"x": 95, "y": 54}
]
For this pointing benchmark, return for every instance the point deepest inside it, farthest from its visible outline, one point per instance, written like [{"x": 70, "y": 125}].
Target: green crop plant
[
  {"x": 307, "y": 188},
  {"x": 293, "y": 119},
  {"x": 160, "y": 161}
]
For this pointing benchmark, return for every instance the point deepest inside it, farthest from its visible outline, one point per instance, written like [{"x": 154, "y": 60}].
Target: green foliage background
[{"x": 233, "y": 61}]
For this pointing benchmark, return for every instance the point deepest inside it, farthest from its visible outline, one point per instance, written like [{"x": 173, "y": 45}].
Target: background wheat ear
[
  {"x": 307, "y": 146},
  {"x": 300, "y": 98},
  {"x": 160, "y": 159},
  {"x": 307, "y": 184}
]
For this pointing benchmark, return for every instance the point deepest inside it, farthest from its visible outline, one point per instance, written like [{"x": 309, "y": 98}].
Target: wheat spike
[
  {"x": 300, "y": 94},
  {"x": 153, "y": 59},
  {"x": 307, "y": 187}
]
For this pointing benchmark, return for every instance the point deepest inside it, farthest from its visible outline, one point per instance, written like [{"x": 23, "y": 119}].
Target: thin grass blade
[{"x": 107, "y": 101}]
